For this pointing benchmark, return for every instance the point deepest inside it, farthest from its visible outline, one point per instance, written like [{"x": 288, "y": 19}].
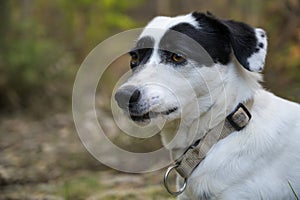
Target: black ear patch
[
  {"x": 243, "y": 41},
  {"x": 249, "y": 44}
]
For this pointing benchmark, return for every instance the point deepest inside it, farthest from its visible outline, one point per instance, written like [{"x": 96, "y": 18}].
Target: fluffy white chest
[{"x": 257, "y": 162}]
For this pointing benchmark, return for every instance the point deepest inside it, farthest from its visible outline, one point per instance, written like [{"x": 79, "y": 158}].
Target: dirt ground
[{"x": 43, "y": 159}]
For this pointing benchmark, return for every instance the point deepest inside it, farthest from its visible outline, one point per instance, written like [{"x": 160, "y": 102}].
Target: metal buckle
[
  {"x": 245, "y": 112},
  {"x": 175, "y": 193}
]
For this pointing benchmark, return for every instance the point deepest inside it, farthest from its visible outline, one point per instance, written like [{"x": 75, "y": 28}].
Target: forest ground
[{"x": 44, "y": 159}]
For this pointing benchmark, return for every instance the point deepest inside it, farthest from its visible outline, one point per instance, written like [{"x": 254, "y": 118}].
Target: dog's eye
[
  {"x": 178, "y": 58},
  {"x": 134, "y": 59}
]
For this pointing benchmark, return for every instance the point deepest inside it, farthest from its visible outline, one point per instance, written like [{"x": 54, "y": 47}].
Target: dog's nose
[{"x": 127, "y": 95}]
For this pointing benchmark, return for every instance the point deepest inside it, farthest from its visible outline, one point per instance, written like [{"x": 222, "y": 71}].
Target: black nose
[{"x": 127, "y": 95}]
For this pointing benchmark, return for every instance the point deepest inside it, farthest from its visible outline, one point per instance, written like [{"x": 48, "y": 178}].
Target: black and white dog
[{"x": 172, "y": 79}]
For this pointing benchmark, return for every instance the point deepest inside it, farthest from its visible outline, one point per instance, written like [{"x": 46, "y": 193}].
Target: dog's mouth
[{"x": 150, "y": 115}]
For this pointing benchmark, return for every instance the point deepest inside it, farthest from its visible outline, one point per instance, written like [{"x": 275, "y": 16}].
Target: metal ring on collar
[{"x": 175, "y": 193}]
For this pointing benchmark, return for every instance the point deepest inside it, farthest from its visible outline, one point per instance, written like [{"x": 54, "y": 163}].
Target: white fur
[
  {"x": 257, "y": 162},
  {"x": 159, "y": 25},
  {"x": 254, "y": 163},
  {"x": 257, "y": 60}
]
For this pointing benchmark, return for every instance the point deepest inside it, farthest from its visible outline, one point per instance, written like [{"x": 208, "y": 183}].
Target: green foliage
[
  {"x": 28, "y": 58},
  {"x": 89, "y": 22},
  {"x": 26, "y": 65},
  {"x": 40, "y": 42}
]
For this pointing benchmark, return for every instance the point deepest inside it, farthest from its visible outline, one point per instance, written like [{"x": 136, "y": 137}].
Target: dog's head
[{"x": 178, "y": 59}]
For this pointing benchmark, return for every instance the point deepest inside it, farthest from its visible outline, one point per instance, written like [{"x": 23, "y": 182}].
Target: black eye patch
[
  {"x": 139, "y": 56},
  {"x": 179, "y": 40},
  {"x": 145, "y": 42},
  {"x": 142, "y": 51}
]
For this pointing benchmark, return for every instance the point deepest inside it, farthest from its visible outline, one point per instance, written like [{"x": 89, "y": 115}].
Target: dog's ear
[{"x": 249, "y": 44}]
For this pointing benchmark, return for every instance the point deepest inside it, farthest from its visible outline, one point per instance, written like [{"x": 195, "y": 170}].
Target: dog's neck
[{"x": 239, "y": 86}]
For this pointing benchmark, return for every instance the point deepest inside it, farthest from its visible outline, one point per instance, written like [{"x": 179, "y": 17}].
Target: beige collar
[{"x": 192, "y": 157}]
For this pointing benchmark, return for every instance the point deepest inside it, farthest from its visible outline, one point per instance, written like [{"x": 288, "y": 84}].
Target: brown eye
[
  {"x": 134, "y": 59},
  {"x": 178, "y": 58}
]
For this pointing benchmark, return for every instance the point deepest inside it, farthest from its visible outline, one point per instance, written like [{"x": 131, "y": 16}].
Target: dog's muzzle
[{"x": 129, "y": 99}]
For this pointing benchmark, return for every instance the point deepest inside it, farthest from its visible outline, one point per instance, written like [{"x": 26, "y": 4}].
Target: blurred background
[{"x": 43, "y": 43}]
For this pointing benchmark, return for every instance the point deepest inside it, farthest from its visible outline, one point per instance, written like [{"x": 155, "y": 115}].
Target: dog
[{"x": 198, "y": 68}]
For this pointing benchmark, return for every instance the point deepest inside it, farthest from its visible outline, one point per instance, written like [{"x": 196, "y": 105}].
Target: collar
[{"x": 195, "y": 154}]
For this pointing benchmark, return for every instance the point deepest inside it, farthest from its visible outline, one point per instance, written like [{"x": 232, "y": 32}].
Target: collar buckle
[{"x": 240, "y": 117}]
